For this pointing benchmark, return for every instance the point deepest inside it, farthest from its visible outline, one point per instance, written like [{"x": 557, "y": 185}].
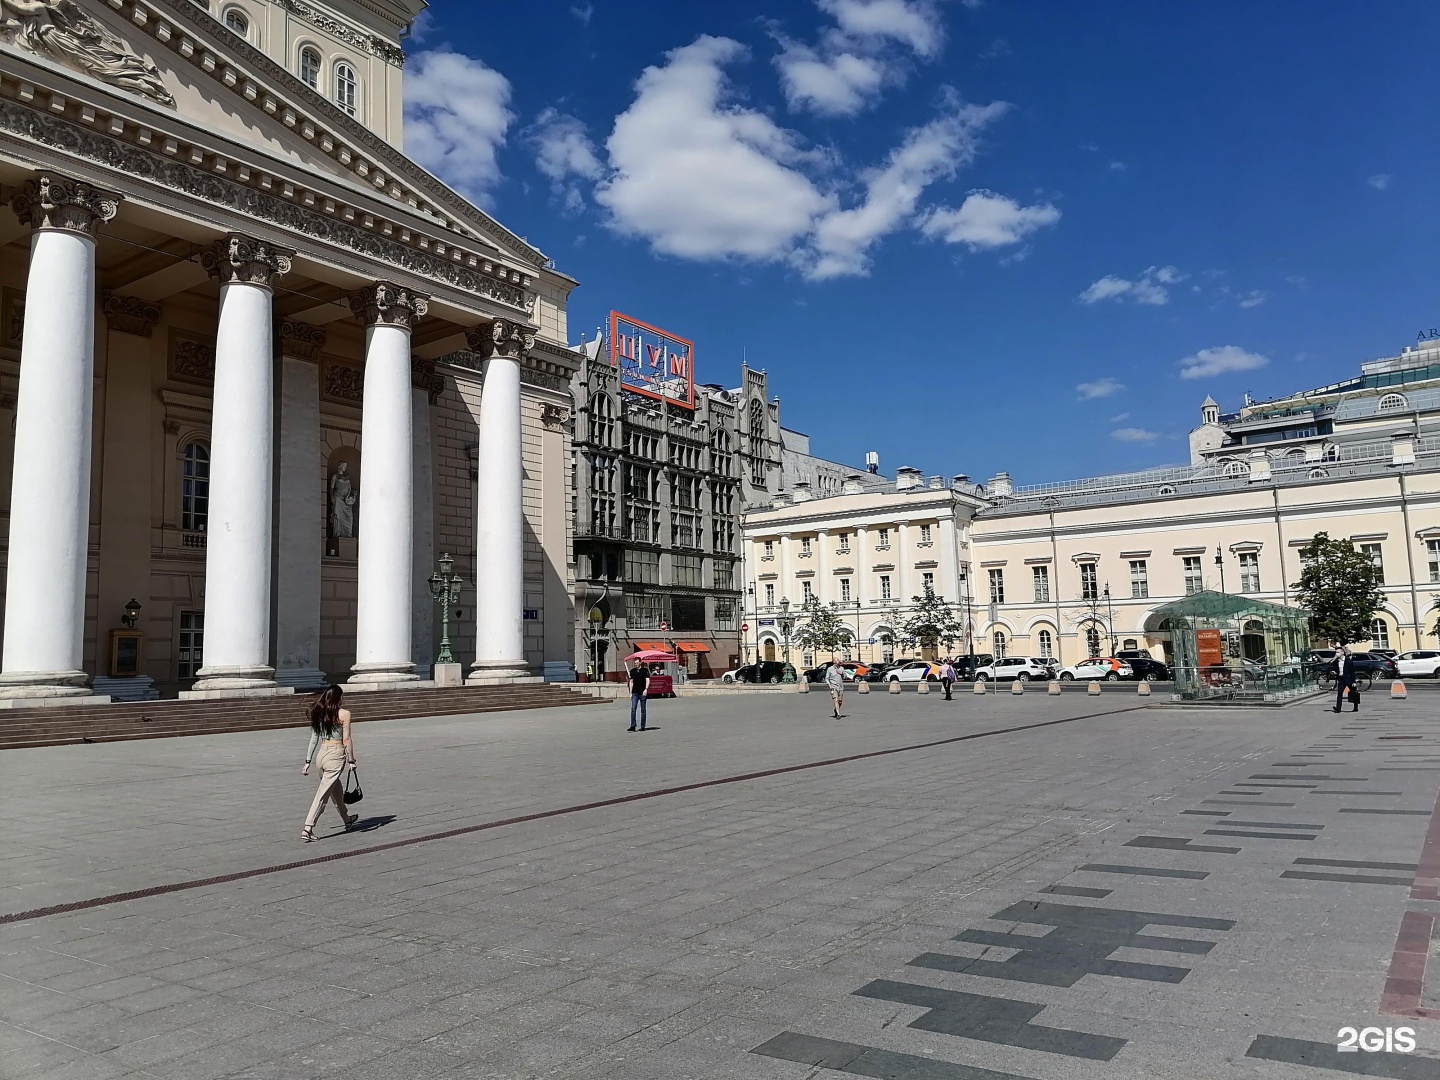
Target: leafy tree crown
[{"x": 1340, "y": 587}]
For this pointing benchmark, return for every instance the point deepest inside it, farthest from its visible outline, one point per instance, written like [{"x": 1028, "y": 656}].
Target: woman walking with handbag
[{"x": 332, "y": 749}]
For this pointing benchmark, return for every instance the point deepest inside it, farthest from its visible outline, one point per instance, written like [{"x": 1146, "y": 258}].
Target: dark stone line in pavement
[
  {"x": 870, "y": 1061},
  {"x": 1178, "y": 843},
  {"x": 1354, "y": 879},
  {"x": 1359, "y": 794},
  {"x": 1409, "y": 768},
  {"x": 1145, "y": 871},
  {"x": 1309, "y": 776},
  {"x": 1326, "y": 1056},
  {"x": 1271, "y": 825},
  {"x": 1358, "y": 864},
  {"x": 1208, "y": 813},
  {"x": 1259, "y": 835},
  {"x": 1368, "y": 810},
  {"x": 1237, "y": 802},
  {"x": 1049, "y": 971},
  {"x": 990, "y": 1019},
  {"x": 1077, "y": 890}
]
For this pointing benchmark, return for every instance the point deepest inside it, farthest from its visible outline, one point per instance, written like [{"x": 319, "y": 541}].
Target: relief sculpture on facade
[{"x": 60, "y": 30}]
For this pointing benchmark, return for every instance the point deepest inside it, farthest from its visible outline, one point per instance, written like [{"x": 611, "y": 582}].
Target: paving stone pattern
[{"x": 1063, "y": 903}]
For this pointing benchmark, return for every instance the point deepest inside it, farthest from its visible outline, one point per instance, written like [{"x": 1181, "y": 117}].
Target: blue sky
[{"x": 971, "y": 235}]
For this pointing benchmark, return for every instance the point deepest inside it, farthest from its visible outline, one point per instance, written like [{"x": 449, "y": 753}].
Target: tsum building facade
[{"x": 260, "y": 368}]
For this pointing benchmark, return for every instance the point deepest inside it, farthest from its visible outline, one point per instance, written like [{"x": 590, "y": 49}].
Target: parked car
[
  {"x": 914, "y": 671},
  {"x": 1017, "y": 668},
  {"x": 966, "y": 666},
  {"x": 766, "y": 671},
  {"x": 1098, "y": 667},
  {"x": 1391, "y": 653},
  {"x": 1147, "y": 668},
  {"x": 853, "y": 671},
  {"x": 1418, "y": 662},
  {"x": 1319, "y": 663}
]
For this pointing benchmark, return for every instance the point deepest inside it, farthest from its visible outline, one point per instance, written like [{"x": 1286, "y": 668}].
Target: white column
[
  {"x": 50, "y": 492},
  {"x": 299, "y": 532},
  {"x": 499, "y": 506},
  {"x": 242, "y": 429},
  {"x": 386, "y": 542}
]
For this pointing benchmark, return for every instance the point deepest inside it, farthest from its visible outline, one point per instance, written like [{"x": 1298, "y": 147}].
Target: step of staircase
[{"x": 61, "y": 725}]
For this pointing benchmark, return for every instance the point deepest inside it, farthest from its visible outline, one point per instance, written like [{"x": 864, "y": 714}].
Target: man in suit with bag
[{"x": 1345, "y": 680}]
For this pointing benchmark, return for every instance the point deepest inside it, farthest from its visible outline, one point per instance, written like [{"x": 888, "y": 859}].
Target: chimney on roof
[
  {"x": 852, "y": 485},
  {"x": 872, "y": 462},
  {"x": 780, "y": 498},
  {"x": 802, "y": 491},
  {"x": 1000, "y": 485},
  {"x": 937, "y": 482},
  {"x": 907, "y": 478},
  {"x": 960, "y": 480}
]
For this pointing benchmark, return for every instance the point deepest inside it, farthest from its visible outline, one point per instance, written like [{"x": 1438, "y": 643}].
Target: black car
[
  {"x": 1145, "y": 666},
  {"x": 766, "y": 671},
  {"x": 966, "y": 666}
]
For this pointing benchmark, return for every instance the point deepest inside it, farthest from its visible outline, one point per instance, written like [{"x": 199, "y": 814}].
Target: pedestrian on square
[
  {"x": 332, "y": 748},
  {"x": 639, "y": 682},
  {"x": 1345, "y": 680},
  {"x": 947, "y": 677},
  {"x": 835, "y": 683}
]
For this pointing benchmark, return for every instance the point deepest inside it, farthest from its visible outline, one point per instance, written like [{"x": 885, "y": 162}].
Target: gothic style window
[
  {"x": 310, "y": 67},
  {"x": 195, "y": 488},
  {"x": 347, "y": 88}
]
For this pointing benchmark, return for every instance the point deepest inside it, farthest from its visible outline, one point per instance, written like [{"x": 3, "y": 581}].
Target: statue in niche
[
  {"x": 61, "y": 30},
  {"x": 342, "y": 503}
]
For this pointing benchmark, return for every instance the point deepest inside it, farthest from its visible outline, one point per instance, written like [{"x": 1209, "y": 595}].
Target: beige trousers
[{"x": 330, "y": 760}]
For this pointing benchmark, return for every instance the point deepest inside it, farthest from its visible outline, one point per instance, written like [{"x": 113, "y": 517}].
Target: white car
[
  {"x": 1097, "y": 667},
  {"x": 1019, "y": 668},
  {"x": 1418, "y": 662},
  {"x": 914, "y": 672}
]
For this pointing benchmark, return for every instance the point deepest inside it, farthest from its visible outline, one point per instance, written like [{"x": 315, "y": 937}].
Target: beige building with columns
[{"x": 260, "y": 368}]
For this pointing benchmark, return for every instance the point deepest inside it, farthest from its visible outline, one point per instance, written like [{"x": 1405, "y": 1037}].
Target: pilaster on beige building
[{"x": 261, "y": 369}]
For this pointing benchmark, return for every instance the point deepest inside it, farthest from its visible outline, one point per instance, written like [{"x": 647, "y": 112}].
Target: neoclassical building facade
[{"x": 260, "y": 368}]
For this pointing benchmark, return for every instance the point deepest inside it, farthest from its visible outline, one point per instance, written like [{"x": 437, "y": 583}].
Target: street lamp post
[
  {"x": 445, "y": 589},
  {"x": 1220, "y": 562},
  {"x": 787, "y": 624},
  {"x": 1110, "y": 614}
]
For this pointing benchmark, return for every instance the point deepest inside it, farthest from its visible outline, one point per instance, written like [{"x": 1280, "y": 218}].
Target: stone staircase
[{"x": 59, "y": 725}]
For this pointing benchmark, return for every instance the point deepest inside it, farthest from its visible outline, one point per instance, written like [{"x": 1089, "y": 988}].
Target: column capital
[
  {"x": 501, "y": 337},
  {"x": 239, "y": 260},
  {"x": 388, "y": 304},
  {"x": 299, "y": 340},
  {"x": 48, "y": 201},
  {"x": 130, "y": 314}
]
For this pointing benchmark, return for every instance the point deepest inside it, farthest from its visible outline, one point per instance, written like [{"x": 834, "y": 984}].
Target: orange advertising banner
[{"x": 1207, "y": 643}]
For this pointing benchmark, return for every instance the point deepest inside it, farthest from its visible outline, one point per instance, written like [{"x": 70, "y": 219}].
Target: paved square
[{"x": 986, "y": 889}]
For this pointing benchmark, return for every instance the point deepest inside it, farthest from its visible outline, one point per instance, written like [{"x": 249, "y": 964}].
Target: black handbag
[
  {"x": 355, "y": 794},
  {"x": 1354, "y": 696}
]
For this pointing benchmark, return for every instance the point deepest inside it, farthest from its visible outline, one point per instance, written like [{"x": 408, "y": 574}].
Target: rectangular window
[
  {"x": 769, "y": 595},
  {"x": 1194, "y": 578},
  {"x": 769, "y": 549},
  {"x": 643, "y": 611},
  {"x": 1041, "y": 575},
  {"x": 927, "y": 582},
  {"x": 1373, "y": 550},
  {"x": 884, "y": 540},
  {"x": 192, "y": 644},
  {"x": 642, "y": 567},
  {"x": 924, "y": 534},
  {"x": 1249, "y": 571},
  {"x": 805, "y": 547},
  {"x": 1432, "y": 548},
  {"x": 997, "y": 586},
  {"x": 724, "y": 614},
  {"x": 1139, "y": 579},
  {"x": 845, "y": 590},
  {"x": 807, "y": 592},
  {"x": 723, "y": 574},
  {"x": 1089, "y": 587},
  {"x": 844, "y": 548},
  {"x": 686, "y": 570},
  {"x": 884, "y": 586}
]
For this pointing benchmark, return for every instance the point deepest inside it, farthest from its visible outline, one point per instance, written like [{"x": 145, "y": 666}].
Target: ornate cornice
[
  {"x": 501, "y": 337},
  {"x": 391, "y": 54},
  {"x": 130, "y": 314},
  {"x": 388, "y": 304},
  {"x": 49, "y": 201},
  {"x": 239, "y": 260},
  {"x": 298, "y": 340}
]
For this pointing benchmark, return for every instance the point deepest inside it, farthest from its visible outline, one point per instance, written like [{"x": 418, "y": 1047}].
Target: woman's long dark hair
[{"x": 325, "y": 710}]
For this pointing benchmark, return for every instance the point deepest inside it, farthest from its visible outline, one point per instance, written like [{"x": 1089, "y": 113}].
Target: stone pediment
[{"x": 180, "y": 62}]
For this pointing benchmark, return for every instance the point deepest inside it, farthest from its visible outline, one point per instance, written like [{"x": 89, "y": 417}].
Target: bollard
[
  {"x": 894, "y": 686},
  {"x": 1054, "y": 688},
  {"x": 1094, "y": 689},
  {"x": 1397, "y": 690},
  {"x": 923, "y": 687},
  {"x": 1142, "y": 688},
  {"x": 1017, "y": 687},
  {"x": 979, "y": 687},
  {"x": 862, "y": 687},
  {"x": 804, "y": 687}
]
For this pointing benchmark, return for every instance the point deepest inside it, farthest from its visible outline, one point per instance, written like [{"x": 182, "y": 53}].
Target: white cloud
[
  {"x": 1220, "y": 360},
  {"x": 1380, "y": 181},
  {"x": 1254, "y": 298},
  {"x": 700, "y": 177},
  {"x": 987, "y": 220},
  {"x": 1118, "y": 166},
  {"x": 456, "y": 115},
  {"x": 583, "y": 12},
  {"x": 1118, "y": 417},
  {"x": 911, "y": 22},
  {"x": 1100, "y": 388},
  {"x": 934, "y": 151},
  {"x": 565, "y": 154},
  {"x": 420, "y": 27},
  {"x": 1134, "y": 434},
  {"x": 1148, "y": 288},
  {"x": 840, "y": 85}
]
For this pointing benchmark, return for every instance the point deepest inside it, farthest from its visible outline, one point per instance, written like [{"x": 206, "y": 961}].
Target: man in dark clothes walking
[
  {"x": 1344, "y": 678},
  {"x": 639, "y": 682}
]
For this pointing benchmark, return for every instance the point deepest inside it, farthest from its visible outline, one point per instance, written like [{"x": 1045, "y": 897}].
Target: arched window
[
  {"x": 347, "y": 87},
  {"x": 1332, "y": 453},
  {"x": 195, "y": 488},
  {"x": 1392, "y": 403},
  {"x": 1234, "y": 468},
  {"x": 1317, "y": 474},
  {"x": 1092, "y": 641},
  {"x": 1167, "y": 489},
  {"x": 1379, "y": 634},
  {"x": 310, "y": 67},
  {"x": 238, "y": 22},
  {"x": 1047, "y": 644},
  {"x": 999, "y": 644}
]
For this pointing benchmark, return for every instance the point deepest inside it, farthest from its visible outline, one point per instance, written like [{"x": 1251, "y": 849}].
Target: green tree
[
  {"x": 822, "y": 631},
  {"x": 1340, "y": 587},
  {"x": 932, "y": 623}
]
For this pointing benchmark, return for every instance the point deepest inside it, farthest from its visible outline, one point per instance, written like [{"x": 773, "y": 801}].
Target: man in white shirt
[{"x": 835, "y": 683}]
